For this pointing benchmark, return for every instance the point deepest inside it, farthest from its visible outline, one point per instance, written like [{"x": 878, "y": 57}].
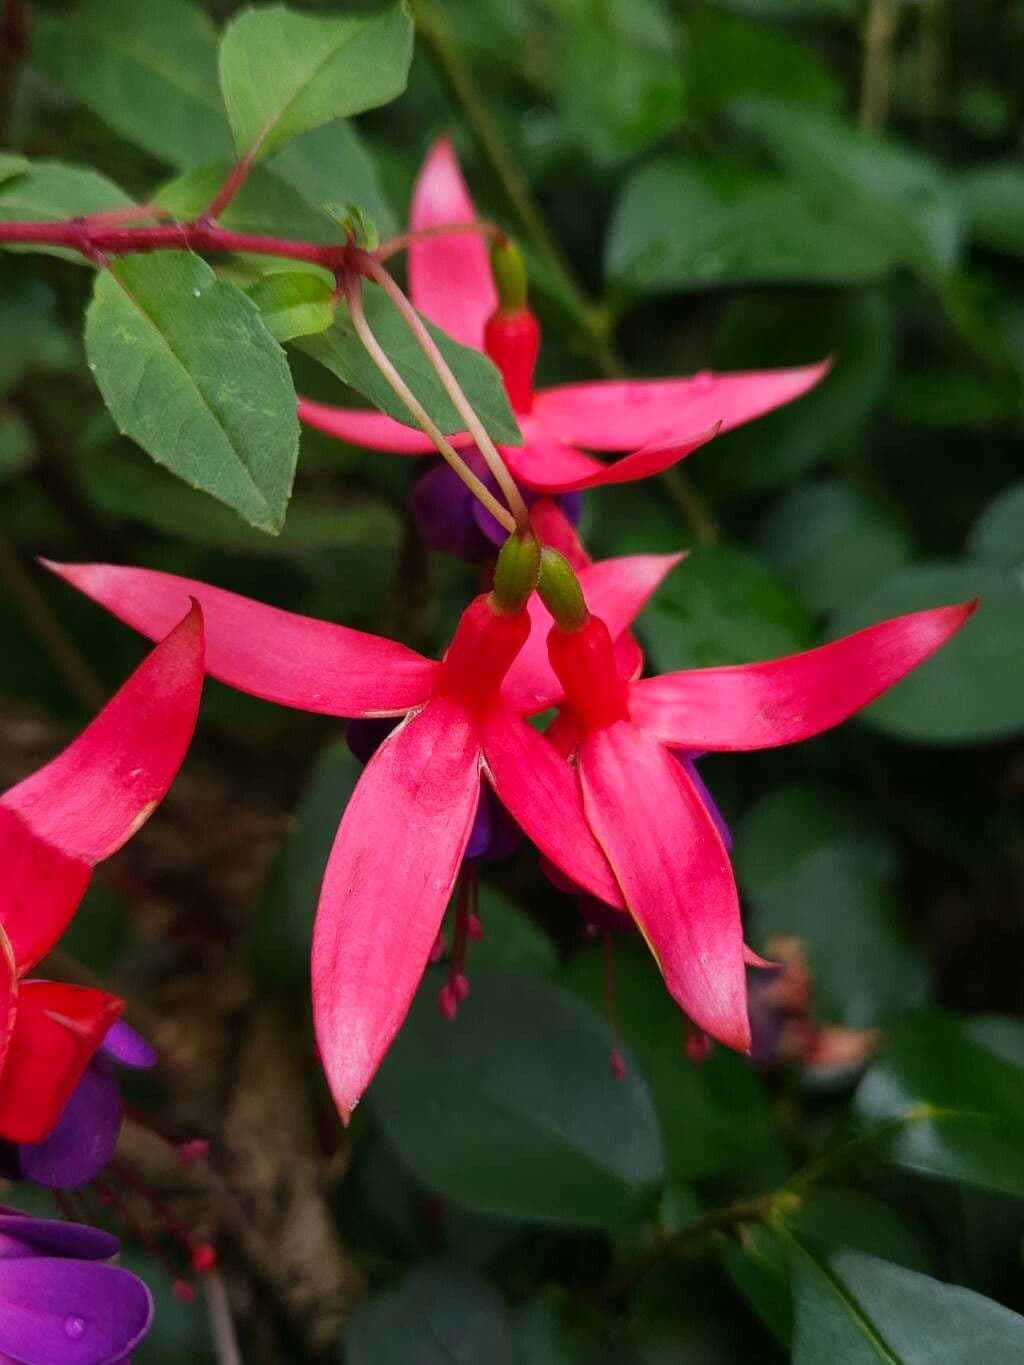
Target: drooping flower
[
  {"x": 408, "y": 824},
  {"x": 61, "y": 1301},
  {"x": 659, "y": 420},
  {"x": 653, "y": 823},
  {"x": 85, "y": 1138},
  {"x": 54, "y": 827}
]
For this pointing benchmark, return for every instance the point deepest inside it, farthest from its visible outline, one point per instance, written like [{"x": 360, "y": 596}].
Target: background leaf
[
  {"x": 513, "y": 1108},
  {"x": 339, "y": 350},
  {"x": 336, "y": 66},
  {"x": 969, "y": 691},
  {"x": 955, "y": 1101},
  {"x": 148, "y": 70}
]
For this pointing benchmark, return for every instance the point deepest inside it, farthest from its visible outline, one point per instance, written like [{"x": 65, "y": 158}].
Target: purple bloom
[
  {"x": 61, "y": 1303},
  {"x": 452, "y": 520},
  {"x": 84, "y": 1140}
]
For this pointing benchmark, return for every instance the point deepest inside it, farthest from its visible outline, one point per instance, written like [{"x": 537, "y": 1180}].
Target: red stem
[
  {"x": 229, "y": 189},
  {"x": 96, "y": 239}
]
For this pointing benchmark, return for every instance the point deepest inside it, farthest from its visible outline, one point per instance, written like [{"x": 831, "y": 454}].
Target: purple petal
[
  {"x": 444, "y": 510},
  {"x": 57, "y": 1312},
  {"x": 687, "y": 760},
  {"x": 480, "y": 835},
  {"x": 83, "y": 1142},
  {"x": 50, "y": 1237},
  {"x": 123, "y": 1045}
]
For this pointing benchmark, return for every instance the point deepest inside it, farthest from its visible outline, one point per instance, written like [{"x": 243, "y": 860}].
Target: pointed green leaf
[
  {"x": 852, "y": 1309},
  {"x": 190, "y": 372},
  {"x": 339, "y": 350},
  {"x": 149, "y": 70},
  {"x": 282, "y": 72}
]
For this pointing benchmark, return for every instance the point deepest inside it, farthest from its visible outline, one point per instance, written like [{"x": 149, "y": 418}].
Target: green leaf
[
  {"x": 851, "y": 1309},
  {"x": 970, "y": 691},
  {"x": 714, "y": 1117},
  {"x": 189, "y": 371},
  {"x": 512, "y": 942},
  {"x": 730, "y": 56},
  {"x": 264, "y": 204},
  {"x": 798, "y": 328},
  {"x": 442, "y": 1313},
  {"x": 997, "y": 537},
  {"x": 814, "y": 866},
  {"x": 333, "y": 163},
  {"x": 122, "y": 483},
  {"x": 993, "y": 203},
  {"x": 619, "y": 91},
  {"x": 282, "y": 926},
  {"x": 294, "y": 303},
  {"x": 683, "y": 223},
  {"x": 954, "y": 1099},
  {"x": 900, "y": 200},
  {"x": 12, "y": 164},
  {"x": 724, "y": 606},
  {"x": 512, "y": 1109},
  {"x": 50, "y": 191},
  {"x": 282, "y": 72},
  {"x": 28, "y": 322},
  {"x": 339, "y": 350},
  {"x": 148, "y": 70},
  {"x": 830, "y": 543},
  {"x": 794, "y": 9}
]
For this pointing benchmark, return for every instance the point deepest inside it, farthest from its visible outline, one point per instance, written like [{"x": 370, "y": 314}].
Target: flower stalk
[
  {"x": 354, "y": 298},
  {"x": 509, "y": 488}
]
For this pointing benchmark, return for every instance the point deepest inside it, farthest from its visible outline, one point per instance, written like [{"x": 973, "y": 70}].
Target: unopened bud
[
  {"x": 509, "y": 271},
  {"x": 516, "y": 572},
  {"x": 560, "y": 591}
]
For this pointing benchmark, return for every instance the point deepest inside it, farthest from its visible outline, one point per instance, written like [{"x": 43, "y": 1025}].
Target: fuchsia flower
[
  {"x": 54, "y": 827},
  {"x": 651, "y": 820},
  {"x": 659, "y": 420},
  {"x": 406, "y": 828},
  {"x": 61, "y": 1301}
]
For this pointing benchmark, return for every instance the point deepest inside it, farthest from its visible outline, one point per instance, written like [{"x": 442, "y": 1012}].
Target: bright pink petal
[
  {"x": 551, "y": 467},
  {"x": 388, "y": 881},
  {"x": 449, "y": 276},
  {"x": 292, "y": 660},
  {"x": 617, "y": 590},
  {"x": 40, "y": 889},
  {"x": 372, "y": 430},
  {"x": 8, "y": 994},
  {"x": 614, "y": 414},
  {"x": 674, "y": 873},
  {"x": 96, "y": 793},
  {"x": 57, "y": 1028},
  {"x": 782, "y": 701},
  {"x": 542, "y": 794}
]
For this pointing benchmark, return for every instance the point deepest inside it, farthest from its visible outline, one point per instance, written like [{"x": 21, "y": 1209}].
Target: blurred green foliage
[{"x": 720, "y": 202}]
